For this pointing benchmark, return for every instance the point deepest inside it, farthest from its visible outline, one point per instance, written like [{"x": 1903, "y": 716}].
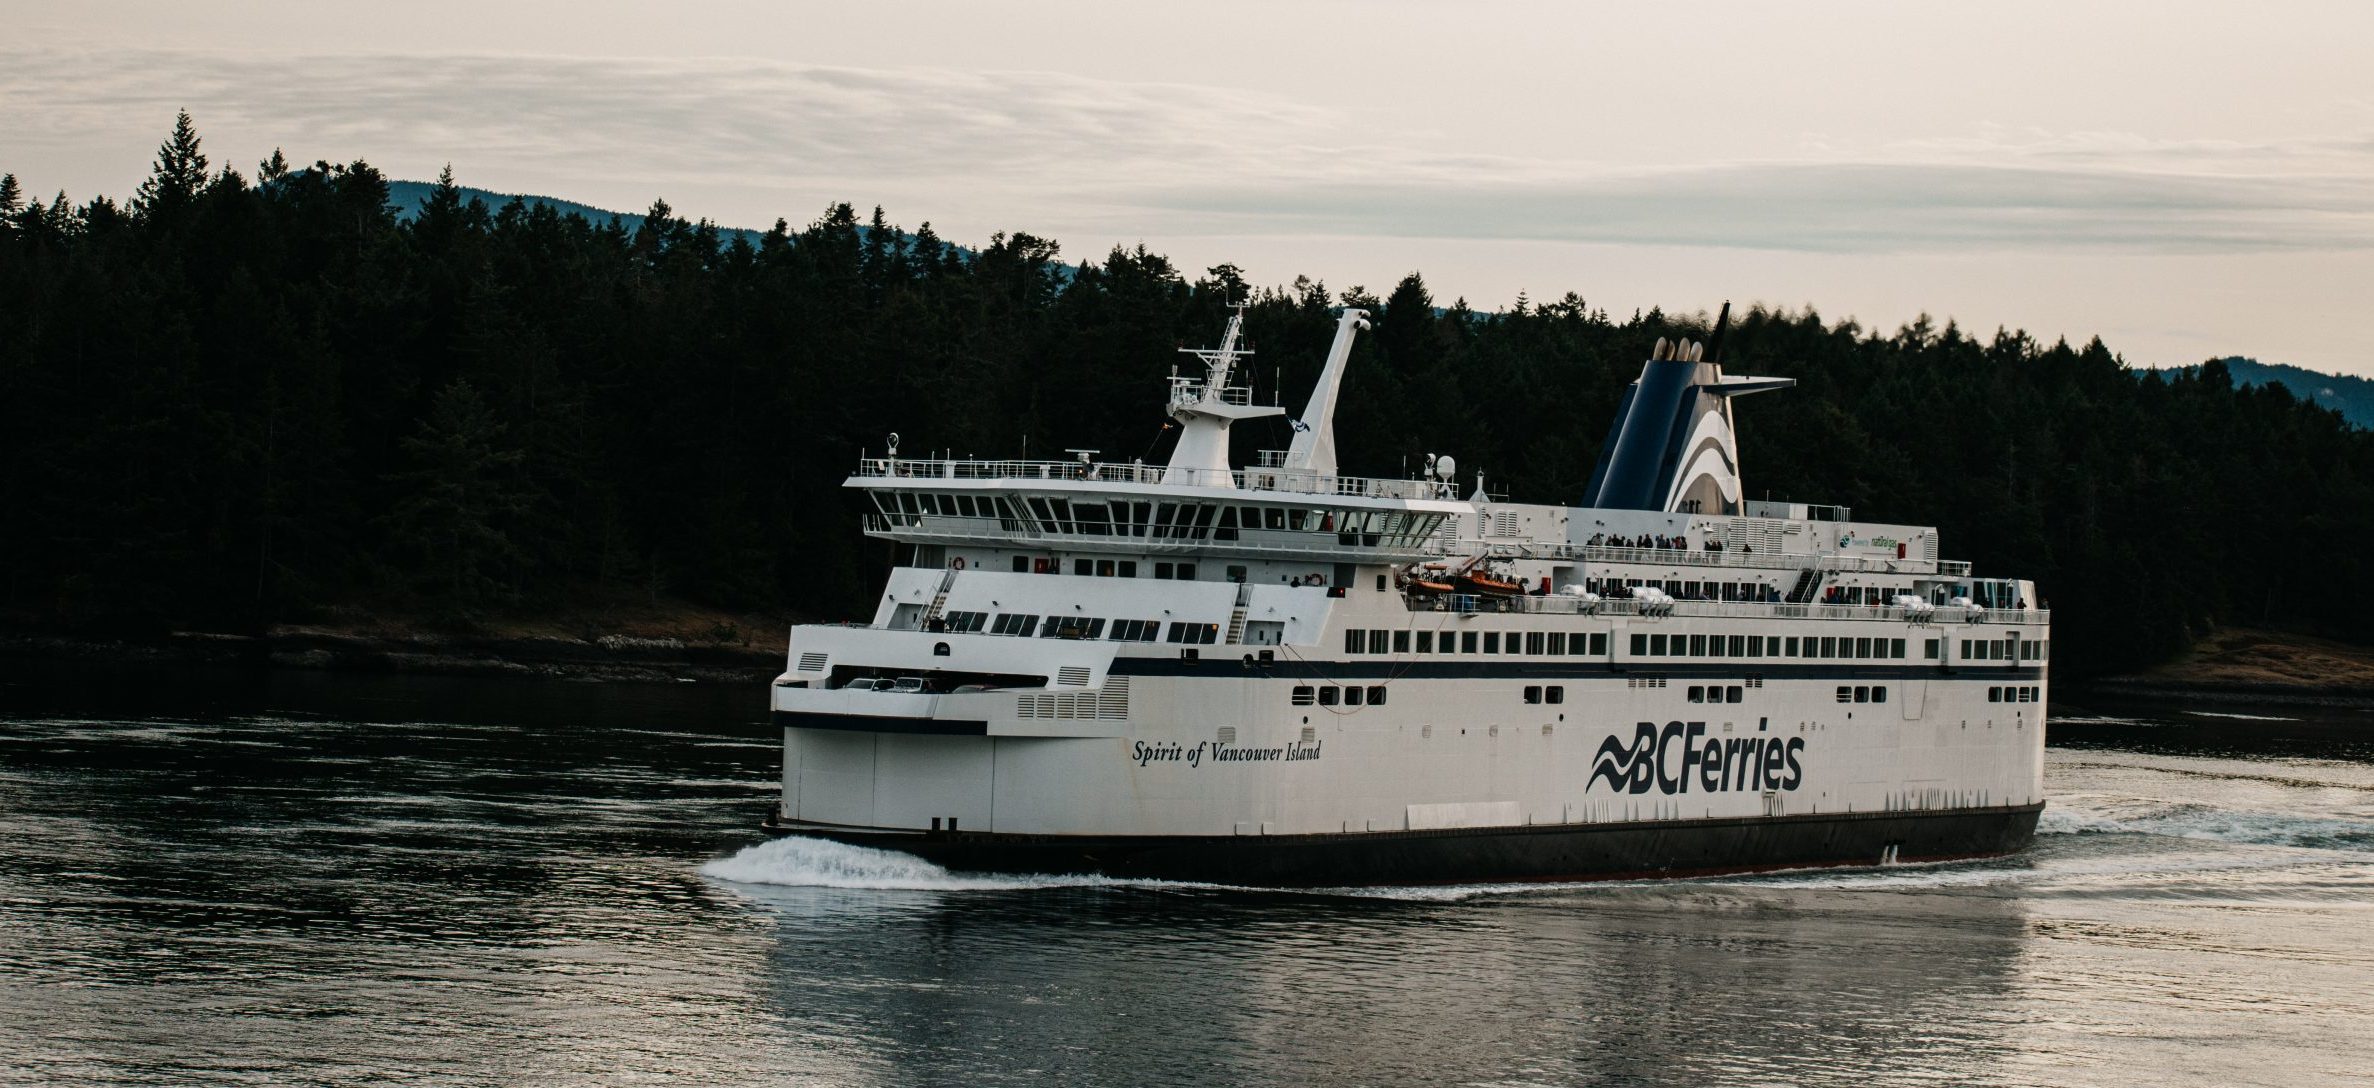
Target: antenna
[{"x": 1722, "y": 325}]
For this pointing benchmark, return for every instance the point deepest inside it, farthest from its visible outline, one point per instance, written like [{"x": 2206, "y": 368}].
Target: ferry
[{"x": 1281, "y": 675}]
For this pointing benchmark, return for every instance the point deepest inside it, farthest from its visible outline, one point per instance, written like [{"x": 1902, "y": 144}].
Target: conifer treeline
[{"x": 234, "y": 402}]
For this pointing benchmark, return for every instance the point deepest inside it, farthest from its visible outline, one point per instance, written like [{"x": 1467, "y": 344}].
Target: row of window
[
  {"x": 1535, "y": 643},
  {"x": 1331, "y": 695},
  {"x": 1024, "y": 625},
  {"x": 1685, "y": 589},
  {"x": 1156, "y": 520},
  {"x": 1555, "y": 694},
  {"x": 1827, "y": 646},
  {"x": 2000, "y": 649}
]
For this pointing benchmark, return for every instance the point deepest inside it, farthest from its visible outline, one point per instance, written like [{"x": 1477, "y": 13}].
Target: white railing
[
  {"x": 1561, "y": 604},
  {"x": 1693, "y": 557},
  {"x": 1327, "y": 546},
  {"x": 1106, "y": 472}
]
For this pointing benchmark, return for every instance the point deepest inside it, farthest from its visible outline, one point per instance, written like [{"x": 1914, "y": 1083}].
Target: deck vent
[
  {"x": 813, "y": 662},
  {"x": 1227, "y": 734},
  {"x": 1113, "y": 703},
  {"x": 1309, "y": 734},
  {"x": 1073, "y": 676}
]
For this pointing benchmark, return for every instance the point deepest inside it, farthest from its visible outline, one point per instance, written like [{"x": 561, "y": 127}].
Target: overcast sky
[{"x": 2184, "y": 179}]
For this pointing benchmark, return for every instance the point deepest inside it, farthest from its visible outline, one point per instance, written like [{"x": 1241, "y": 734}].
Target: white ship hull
[{"x": 1209, "y": 769}]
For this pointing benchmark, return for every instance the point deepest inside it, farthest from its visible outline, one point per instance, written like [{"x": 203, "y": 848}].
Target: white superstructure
[{"x": 1281, "y": 674}]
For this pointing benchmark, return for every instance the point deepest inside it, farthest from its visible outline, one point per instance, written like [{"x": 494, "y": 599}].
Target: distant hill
[
  {"x": 408, "y": 196},
  {"x": 2351, "y": 396}
]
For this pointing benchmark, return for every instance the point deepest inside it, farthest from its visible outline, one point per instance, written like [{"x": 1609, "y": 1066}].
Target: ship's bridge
[{"x": 1087, "y": 505}]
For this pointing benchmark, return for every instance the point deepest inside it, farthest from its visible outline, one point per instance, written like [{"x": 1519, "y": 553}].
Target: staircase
[
  {"x": 1236, "y": 619},
  {"x": 1807, "y": 582},
  {"x": 939, "y": 600}
]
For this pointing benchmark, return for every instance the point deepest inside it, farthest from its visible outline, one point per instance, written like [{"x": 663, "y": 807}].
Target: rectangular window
[
  {"x": 1862, "y": 647},
  {"x": 1533, "y": 693},
  {"x": 1792, "y": 648},
  {"x": 1845, "y": 694},
  {"x": 1533, "y": 642},
  {"x": 1162, "y": 570},
  {"x": 1376, "y": 695},
  {"x": 1879, "y": 695},
  {"x": 1330, "y": 695},
  {"x": 1599, "y": 644},
  {"x": 1557, "y": 644},
  {"x": 1697, "y": 694},
  {"x": 1354, "y": 696},
  {"x": 1355, "y": 641},
  {"x": 1425, "y": 642},
  {"x": 1697, "y": 645},
  {"x": 1735, "y": 692},
  {"x": 1640, "y": 645},
  {"x": 1303, "y": 695},
  {"x": 1772, "y": 646},
  {"x": 1377, "y": 641},
  {"x": 1929, "y": 650},
  {"x": 1129, "y": 568},
  {"x": 1862, "y": 694},
  {"x": 1401, "y": 642},
  {"x": 1491, "y": 642},
  {"x": 1187, "y": 572},
  {"x": 1829, "y": 646},
  {"x": 1896, "y": 648},
  {"x": 1755, "y": 646},
  {"x": 1656, "y": 645},
  {"x": 1448, "y": 643},
  {"x": 1738, "y": 649},
  {"x": 1082, "y": 566},
  {"x": 1104, "y": 568},
  {"x": 1555, "y": 693},
  {"x": 1510, "y": 643},
  {"x": 1467, "y": 642},
  {"x": 1022, "y": 564}
]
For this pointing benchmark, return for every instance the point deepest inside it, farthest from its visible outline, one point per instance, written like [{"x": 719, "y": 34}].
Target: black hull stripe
[
  {"x": 1554, "y": 852},
  {"x": 867, "y": 723},
  {"x": 1286, "y": 668}
]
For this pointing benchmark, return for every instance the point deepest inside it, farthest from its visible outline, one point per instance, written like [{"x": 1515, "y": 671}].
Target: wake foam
[
  {"x": 817, "y": 863},
  {"x": 2192, "y": 820}
]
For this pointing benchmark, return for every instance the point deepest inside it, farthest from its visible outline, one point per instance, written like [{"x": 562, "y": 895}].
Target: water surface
[{"x": 300, "y": 878}]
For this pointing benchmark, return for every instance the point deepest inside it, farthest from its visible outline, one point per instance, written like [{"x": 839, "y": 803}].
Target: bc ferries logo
[{"x": 1673, "y": 759}]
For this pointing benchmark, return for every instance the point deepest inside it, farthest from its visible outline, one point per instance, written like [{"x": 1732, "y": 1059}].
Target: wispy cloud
[{"x": 1173, "y": 159}]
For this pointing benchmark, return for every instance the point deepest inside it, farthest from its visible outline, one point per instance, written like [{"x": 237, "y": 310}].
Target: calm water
[{"x": 359, "y": 880}]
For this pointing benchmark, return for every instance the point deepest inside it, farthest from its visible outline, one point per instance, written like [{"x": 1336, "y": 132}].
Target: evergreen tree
[
  {"x": 455, "y": 507},
  {"x": 179, "y": 173}
]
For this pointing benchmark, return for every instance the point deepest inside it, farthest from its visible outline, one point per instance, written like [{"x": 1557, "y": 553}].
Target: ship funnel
[{"x": 1672, "y": 445}]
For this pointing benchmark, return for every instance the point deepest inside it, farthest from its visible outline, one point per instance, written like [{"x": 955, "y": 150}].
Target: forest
[{"x": 233, "y": 401}]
